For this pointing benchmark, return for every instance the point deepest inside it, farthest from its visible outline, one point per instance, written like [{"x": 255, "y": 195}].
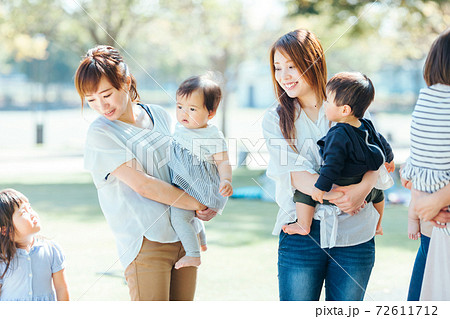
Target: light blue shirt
[{"x": 29, "y": 276}]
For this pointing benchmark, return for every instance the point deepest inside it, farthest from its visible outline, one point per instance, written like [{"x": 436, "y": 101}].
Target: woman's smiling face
[
  {"x": 108, "y": 101},
  {"x": 288, "y": 76}
]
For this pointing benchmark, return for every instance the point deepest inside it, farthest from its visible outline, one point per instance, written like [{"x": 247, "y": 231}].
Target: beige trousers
[{"x": 151, "y": 275}]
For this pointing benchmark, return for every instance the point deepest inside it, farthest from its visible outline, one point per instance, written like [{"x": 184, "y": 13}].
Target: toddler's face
[
  {"x": 191, "y": 111},
  {"x": 26, "y": 220},
  {"x": 332, "y": 111}
]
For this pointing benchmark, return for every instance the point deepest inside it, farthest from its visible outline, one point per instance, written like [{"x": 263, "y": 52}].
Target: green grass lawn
[{"x": 240, "y": 263}]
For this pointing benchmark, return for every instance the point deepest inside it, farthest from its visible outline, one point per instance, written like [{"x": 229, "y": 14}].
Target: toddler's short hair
[
  {"x": 354, "y": 89},
  {"x": 212, "y": 93}
]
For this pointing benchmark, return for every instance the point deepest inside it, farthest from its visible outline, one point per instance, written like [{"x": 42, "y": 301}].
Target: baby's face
[{"x": 191, "y": 111}]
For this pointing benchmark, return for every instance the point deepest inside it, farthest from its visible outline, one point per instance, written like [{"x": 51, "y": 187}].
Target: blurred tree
[
  {"x": 109, "y": 22},
  {"x": 216, "y": 35},
  {"x": 174, "y": 38},
  {"x": 383, "y": 39},
  {"x": 409, "y": 24},
  {"x": 27, "y": 27}
]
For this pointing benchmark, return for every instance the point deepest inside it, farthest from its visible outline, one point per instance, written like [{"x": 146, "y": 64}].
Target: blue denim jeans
[
  {"x": 303, "y": 267},
  {"x": 415, "y": 285}
]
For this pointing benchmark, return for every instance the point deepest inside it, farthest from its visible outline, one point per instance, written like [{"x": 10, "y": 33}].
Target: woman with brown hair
[
  {"x": 292, "y": 130},
  {"x": 126, "y": 153}
]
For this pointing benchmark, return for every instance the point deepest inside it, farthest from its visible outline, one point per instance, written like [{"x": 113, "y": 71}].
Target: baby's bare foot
[
  {"x": 296, "y": 228},
  {"x": 188, "y": 261}
]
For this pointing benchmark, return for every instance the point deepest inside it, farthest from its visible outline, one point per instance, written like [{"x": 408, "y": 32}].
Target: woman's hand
[
  {"x": 442, "y": 217},
  {"x": 354, "y": 196},
  {"x": 353, "y": 199},
  {"x": 206, "y": 214},
  {"x": 427, "y": 207}
]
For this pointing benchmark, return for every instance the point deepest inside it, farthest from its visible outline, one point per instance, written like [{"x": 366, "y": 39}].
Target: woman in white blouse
[
  {"x": 292, "y": 130},
  {"x": 126, "y": 152}
]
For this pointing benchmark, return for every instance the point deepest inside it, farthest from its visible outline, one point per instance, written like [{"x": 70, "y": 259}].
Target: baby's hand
[
  {"x": 317, "y": 195},
  {"x": 390, "y": 166},
  {"x": 225, "y": 188},
  {"x": 405, "y": 183},
  {"x": 379, "y": 230}
]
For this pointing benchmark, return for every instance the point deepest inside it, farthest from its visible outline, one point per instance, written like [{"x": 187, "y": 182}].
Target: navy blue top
[{"x": 351, "y": 151}]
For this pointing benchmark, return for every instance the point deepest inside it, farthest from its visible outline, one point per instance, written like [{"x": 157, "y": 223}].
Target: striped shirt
[{"x": 428, "y": 166}]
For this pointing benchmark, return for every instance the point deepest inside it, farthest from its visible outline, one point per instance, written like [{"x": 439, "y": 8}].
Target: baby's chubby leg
[
  {"x": 302, "y": 226},
  {"x": 305, "y": 213},
  {"x": 413, "y": 223},
  {"x": 202, "y": 238},
  {"x": 181, "y": 222},
  {"x": 380, "y": 209}
]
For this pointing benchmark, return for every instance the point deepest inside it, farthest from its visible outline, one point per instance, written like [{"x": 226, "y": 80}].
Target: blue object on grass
[{"x": 248, "y": 192}]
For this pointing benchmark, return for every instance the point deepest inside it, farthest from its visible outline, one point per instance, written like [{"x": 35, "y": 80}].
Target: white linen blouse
[
  {"x": 109, "y": 144},
  {"x": 337, "y": 228}
]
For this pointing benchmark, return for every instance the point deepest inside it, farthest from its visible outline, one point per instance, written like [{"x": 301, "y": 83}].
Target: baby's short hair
[
  {"x": 354, "y": 89},
  {"x": 212, "y": 93}
]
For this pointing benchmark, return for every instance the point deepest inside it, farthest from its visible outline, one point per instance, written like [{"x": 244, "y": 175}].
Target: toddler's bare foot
[
  {"x": 413, "y": 228},
  {"x": 204, "y": 247},
  {"x": 188, "y": 261},
  {"x": 296, "y": 228}
]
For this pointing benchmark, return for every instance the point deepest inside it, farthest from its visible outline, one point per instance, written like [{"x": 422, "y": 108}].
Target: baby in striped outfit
[{"x": 198, "y": 160}]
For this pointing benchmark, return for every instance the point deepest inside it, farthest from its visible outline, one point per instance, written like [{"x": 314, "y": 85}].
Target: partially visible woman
[
  {"x": 126, "y": 153},
  {"x": 428, "y": 170},
  {"x": 292, "y": 130}
]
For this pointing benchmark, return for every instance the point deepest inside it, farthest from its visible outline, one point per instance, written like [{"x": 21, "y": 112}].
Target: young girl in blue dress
[
  {"x": 199, "y": 160},
  {"x": 31, "y": 268}
]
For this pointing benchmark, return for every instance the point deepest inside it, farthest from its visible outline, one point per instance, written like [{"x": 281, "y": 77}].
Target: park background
[{"x": 42, "y": 125}]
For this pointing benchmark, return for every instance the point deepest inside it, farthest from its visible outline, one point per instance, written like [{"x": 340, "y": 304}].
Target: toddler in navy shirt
[{"x": 350, "y": 149}]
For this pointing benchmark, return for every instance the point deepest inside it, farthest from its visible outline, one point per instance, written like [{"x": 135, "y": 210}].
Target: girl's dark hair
[
  {"x": 210, "y": 89},
  {"x": 305, "y": 51},
  {"x": 353, "y": 89},
  {"x": 103, "y": 61},
  {"x": 10, "y": 200},
  {"x": 437, "y": 64}
]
